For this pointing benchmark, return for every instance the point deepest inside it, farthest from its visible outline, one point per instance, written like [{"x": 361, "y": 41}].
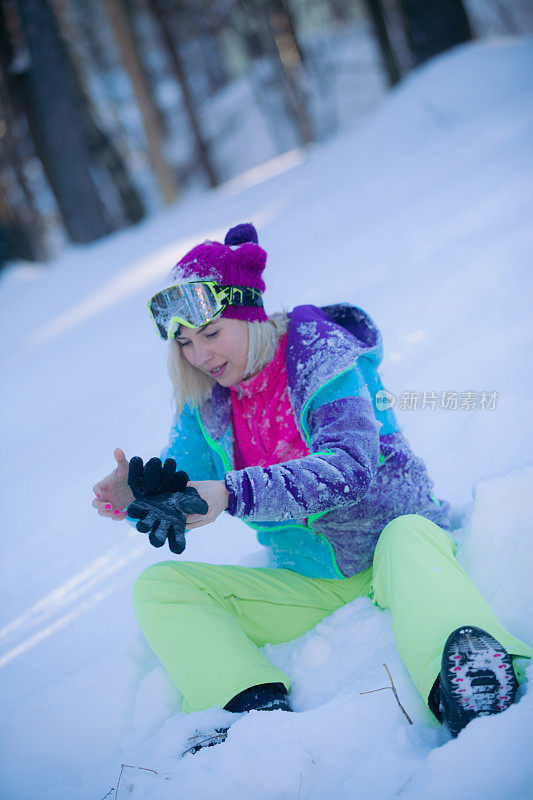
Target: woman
[{"x": 279, "y": 422}]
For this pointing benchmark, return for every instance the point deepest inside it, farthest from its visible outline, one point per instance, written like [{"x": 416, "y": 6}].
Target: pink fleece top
[{"x": 264, "y": 427}]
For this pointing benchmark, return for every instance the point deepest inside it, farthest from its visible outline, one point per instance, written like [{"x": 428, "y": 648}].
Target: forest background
[{"x": 112, "y": 109}]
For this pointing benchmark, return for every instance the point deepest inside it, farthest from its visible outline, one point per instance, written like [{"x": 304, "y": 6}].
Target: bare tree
[
  {"x": 286, "y": 34},
  {"x": 162, "y": 12},
  {"x": 122, "y": 200},
  {"x": 21, "y": 224},
  {"x": 389, "y": 60},
  {"x": 261, "y": 41},
  {"x": 54, "y": 113},
  {"x": 150, "y": 115}
]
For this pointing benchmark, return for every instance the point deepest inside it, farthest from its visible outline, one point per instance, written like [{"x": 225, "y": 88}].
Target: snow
[{"x": 421, "y": 216}]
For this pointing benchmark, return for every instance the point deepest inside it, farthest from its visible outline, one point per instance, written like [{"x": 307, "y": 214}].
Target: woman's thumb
[{"x": 120, "y": 458}]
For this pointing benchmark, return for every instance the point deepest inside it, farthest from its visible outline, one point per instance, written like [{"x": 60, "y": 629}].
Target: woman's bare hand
[
  {"x": 113, "y": 494},
  {"x": 215, "y": 495}
]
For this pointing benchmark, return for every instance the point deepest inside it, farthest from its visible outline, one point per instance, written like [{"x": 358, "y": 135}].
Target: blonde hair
[{"x": 191, "y": 386}]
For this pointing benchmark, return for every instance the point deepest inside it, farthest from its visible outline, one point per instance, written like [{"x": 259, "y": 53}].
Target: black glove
[
  {"x": 159, "y": 493},
  {"x": 164, "y": 516},
  {"x": 153, "y": 478}
]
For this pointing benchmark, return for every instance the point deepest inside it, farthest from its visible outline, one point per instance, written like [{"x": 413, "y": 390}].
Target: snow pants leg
[
  {"x": 415, "y": 574},
  {"x": 206, "y": 622}
]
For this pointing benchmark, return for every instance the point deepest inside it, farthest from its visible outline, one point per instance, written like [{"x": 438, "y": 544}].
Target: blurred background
[{"x": 112, "y": 109}]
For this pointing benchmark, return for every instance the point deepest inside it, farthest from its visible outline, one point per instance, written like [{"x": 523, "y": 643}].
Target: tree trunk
[
  {"x": 388, "y": 56},
  {"x": 398, "y": 35},
  {"x": 433, "y": 26},
  {"x": 340, "y": 11},
  {"x": 215, "y": 66},
  {"x": 126, "y": 42},
  {"x": 286, "y": 34},
  {"x": 286, "y": 79},
  {"x": 56, "y": 123},
  {"x": 22, "y": 232},
  {"x": 202, "y": 146},
  {"x": 122, "y": 199}
]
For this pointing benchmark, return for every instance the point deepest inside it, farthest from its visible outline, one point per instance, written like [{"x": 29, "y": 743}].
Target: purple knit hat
[{"x": 238, "y": 262}]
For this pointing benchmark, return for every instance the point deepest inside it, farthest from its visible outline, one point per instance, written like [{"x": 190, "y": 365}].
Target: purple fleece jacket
[{"x": 340, "y": 481}]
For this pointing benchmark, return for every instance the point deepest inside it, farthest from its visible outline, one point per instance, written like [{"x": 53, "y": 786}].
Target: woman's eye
[
  {"x": 209, "y": 335},
  {"x": 182, "y": 344}
]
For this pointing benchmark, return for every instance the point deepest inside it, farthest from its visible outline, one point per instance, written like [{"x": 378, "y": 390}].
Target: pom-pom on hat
[{"x": 240, "y": 261}]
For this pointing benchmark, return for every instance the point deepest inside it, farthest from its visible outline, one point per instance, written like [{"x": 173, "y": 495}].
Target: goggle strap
[{"x": 242, "y": 296}]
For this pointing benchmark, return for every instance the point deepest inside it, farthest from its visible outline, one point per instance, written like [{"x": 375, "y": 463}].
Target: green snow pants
[{"x": 206, "y": 623}]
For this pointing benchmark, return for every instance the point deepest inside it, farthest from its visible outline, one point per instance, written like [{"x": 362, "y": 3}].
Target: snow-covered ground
[{"x": 422, "y": 216}]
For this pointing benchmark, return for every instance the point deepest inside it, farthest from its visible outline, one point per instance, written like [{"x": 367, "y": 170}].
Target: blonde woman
[{"x": 279, "y": 423}]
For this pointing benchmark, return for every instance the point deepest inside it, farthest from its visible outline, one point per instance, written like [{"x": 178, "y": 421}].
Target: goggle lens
[{"x": 189, "y": 304}]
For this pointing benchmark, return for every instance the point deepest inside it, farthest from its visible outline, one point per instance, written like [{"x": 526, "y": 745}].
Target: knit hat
[{"x": 238, "y": 262}]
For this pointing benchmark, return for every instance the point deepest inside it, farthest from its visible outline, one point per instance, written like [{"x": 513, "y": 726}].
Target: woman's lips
[{"x": 217, "y": 372}]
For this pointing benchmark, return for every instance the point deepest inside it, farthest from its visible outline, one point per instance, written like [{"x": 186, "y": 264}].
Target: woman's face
[{"x": 220, "y": 349}]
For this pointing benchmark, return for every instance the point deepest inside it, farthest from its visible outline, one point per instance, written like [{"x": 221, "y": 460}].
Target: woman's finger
[
  {"x": 106, "y": 509},
  {"x": 114, "y": 513},
  {"x": 102, "y": 505},
  {"x": 106, "y": 512},
  {"x": 103, "y": 512},
  {"x": 195, "y": 518},
  {"x": 192, "y": 525}
]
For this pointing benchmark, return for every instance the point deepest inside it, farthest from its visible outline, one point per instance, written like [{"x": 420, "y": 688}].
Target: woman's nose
[{"x": 202, "y": 355}]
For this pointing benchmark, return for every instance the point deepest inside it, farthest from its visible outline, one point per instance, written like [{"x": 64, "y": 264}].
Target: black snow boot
[
  {"x": 263, "y": 697},
  {"x": 476, "y": 679}
]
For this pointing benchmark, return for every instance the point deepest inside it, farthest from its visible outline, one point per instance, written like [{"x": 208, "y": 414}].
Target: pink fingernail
[
  {"x": 116, "y": 511},
  {"x": 98, "y": 495},
  {"x": 108, "y": 505}
]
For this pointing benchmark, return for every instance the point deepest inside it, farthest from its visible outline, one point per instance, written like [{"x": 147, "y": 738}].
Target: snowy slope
[{"x": 422, "y": 215}]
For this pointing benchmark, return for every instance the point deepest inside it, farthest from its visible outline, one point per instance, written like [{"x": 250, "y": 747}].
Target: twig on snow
[
  {"x": 393, "y": 687},
  {"x": 129, "y": 766}
]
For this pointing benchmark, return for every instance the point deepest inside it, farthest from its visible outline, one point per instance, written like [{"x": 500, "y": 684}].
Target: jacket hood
[{"x": 325, "y": 342}]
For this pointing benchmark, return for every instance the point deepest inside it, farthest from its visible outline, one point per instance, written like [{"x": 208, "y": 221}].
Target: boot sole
[{"x": 477, "y": 675}]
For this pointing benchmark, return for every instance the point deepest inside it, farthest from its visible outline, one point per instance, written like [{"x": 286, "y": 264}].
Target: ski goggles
[{"x": 197, "y": 303}]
